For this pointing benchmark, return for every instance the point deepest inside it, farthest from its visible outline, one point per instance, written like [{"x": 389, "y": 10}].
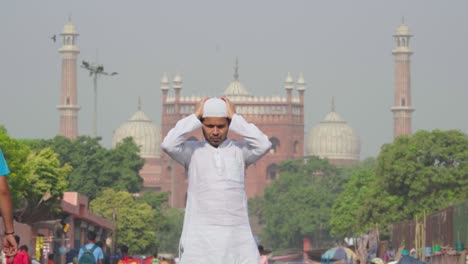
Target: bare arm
[{"x": 9, "y": 243}]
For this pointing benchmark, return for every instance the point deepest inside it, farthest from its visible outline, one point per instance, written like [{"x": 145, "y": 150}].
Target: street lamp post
[{"x": 94, "y": 71}]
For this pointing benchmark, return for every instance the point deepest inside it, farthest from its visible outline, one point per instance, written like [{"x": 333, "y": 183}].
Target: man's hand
[
  {"x": 231, "y": 109},
  {"x": 199, "y": 107},
  {"x": 9, "y": 245}
]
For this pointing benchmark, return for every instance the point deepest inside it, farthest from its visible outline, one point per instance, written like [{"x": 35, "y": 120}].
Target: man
[
  {"x": 92, "y": 248},
  {"x": 216, "y": 224},
  {"x": 10, "y": 247},
  {"x": 263, "y": 258},
  {"x": 124, "y": 257},
  {"x": 22, "y": 256}
]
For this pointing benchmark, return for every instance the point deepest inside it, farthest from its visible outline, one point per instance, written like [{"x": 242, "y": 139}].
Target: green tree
[
  {"x": 347, "y": 209},
  {"x": 423, "y": 172},
  {"x": 299, "y": 203},
  {"x": 256, "y": 215},
  {"x": 37, "y": 180},
  {"x": 94, "y": 167},
  {"x": 47, "y": 179},
  {"x": 16, "y": 155},
  {"x": 135, "y": 221},
  {"x": 169, "y": 234},
  {"x": 158, "y": 203}
]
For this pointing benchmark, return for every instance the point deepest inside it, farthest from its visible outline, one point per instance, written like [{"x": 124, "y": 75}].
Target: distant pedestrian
[
  {"x": 11, "y": 260},
  {"x": 155, "y": 258},
  {"x": 71, "y": 256},
  {"x": 125, "y": 258},
  {"x": 90, "y": 253},
  {"x": 50, "y": 258},
  {"x": 263, "y": 258},
  {"x": 22, "y": 256},
  {"x": 10, "y": 247},
  {"x": 103, "y": 246}
]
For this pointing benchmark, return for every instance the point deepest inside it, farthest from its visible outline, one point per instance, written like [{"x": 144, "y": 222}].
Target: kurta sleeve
[
  {"x": 256, "y": 143},
  {"x": 175, "y": 145}
]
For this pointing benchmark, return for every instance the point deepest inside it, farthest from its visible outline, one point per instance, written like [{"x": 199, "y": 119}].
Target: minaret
[
  {"x": 68, "y": 106},
  {"x": 177, "y": 86},
  {"x": 301, "y": 87},
  {"x": 403, "y": 106},
  {"x": 288, "y": 86}
]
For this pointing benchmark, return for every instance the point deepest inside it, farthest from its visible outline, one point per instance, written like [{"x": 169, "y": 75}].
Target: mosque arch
[
  {"x": 273, "y": 171},
  {"x": 295, "y": 146}
]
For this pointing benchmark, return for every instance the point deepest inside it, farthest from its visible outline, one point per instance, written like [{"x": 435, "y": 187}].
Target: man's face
[{"x": 215, "y": 130}]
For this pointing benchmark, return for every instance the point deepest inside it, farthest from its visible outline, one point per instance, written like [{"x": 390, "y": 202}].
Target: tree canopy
[
  {"x": 418, "y": 173},
  {"x": 299, "y": 203},
  {"x": 37, "y": 179},
  {"x": 135, "y": 221},
  {"x": 94, "y": 167},
  {"x": 424, "y": 172}
]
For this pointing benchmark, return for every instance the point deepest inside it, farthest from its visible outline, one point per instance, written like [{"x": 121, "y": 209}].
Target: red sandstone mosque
[{"x": 280, "y": 117}]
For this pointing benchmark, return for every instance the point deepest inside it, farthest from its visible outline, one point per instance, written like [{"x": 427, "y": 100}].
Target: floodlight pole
[{"x": 95, "y": 71}]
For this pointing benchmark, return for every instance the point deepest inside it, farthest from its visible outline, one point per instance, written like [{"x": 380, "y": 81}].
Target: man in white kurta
[{"x": 216, "y": 224}]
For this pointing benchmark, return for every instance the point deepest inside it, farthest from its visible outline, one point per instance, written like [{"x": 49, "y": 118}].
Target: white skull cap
[{"x": 214, "y": 107}]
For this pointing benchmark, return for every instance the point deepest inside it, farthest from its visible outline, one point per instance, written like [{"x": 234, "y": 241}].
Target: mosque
[{"x": 281, "y": 118}]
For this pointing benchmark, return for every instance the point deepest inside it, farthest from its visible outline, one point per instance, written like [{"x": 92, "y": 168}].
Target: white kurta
[{"x": 216, "y": 224}]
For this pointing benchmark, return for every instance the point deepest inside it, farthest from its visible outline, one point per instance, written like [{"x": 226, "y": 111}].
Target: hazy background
[{"x": 342, "y": 47}]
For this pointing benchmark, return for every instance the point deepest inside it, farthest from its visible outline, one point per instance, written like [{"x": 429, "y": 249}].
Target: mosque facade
[{"x": 281, "y": 118}]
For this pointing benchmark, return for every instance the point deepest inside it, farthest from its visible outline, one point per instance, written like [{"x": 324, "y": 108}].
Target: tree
[
  {"x": 48, "y": 181},
  {"x": 424, "y": 172},
  {"x": 299, "y": 203},
  {"x": 94, "y": 167},
  {"x": 37, "y": 180},
  {"x": 347, "y": 208},
  {"x": 256, "y": 214},
  {"x": 135, "y": 221},
  {"x": 16, "y": 155},
  {"x": 169, "y": 234}
]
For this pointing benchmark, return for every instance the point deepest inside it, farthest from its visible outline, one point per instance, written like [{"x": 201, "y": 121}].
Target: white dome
[
  {"x": 333, "y": 139},
  {"x": 145, "y": 134},
  {"x": 236, "y": 88}
]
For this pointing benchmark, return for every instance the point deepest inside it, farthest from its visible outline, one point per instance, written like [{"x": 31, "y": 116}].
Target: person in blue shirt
[
  {"x": 10, "y": 247},
  {"x": 91, "y": 245}
]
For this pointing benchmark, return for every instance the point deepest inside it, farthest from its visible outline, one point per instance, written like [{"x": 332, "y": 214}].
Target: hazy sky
[{"x": 342, "y": 47}]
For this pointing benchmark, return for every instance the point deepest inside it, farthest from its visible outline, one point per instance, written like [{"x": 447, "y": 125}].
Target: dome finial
[
  {"x": 236, "y": 70},
  {"x": 403, "y": 19},
  {"x": 333, "y": 104},
  {"x": 139, "y": 103}
]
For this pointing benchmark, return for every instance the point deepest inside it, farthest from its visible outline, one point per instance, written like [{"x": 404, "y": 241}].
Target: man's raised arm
[
  {"x": 173, "y": 143},
  {"x": 257, "y": 142}
]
